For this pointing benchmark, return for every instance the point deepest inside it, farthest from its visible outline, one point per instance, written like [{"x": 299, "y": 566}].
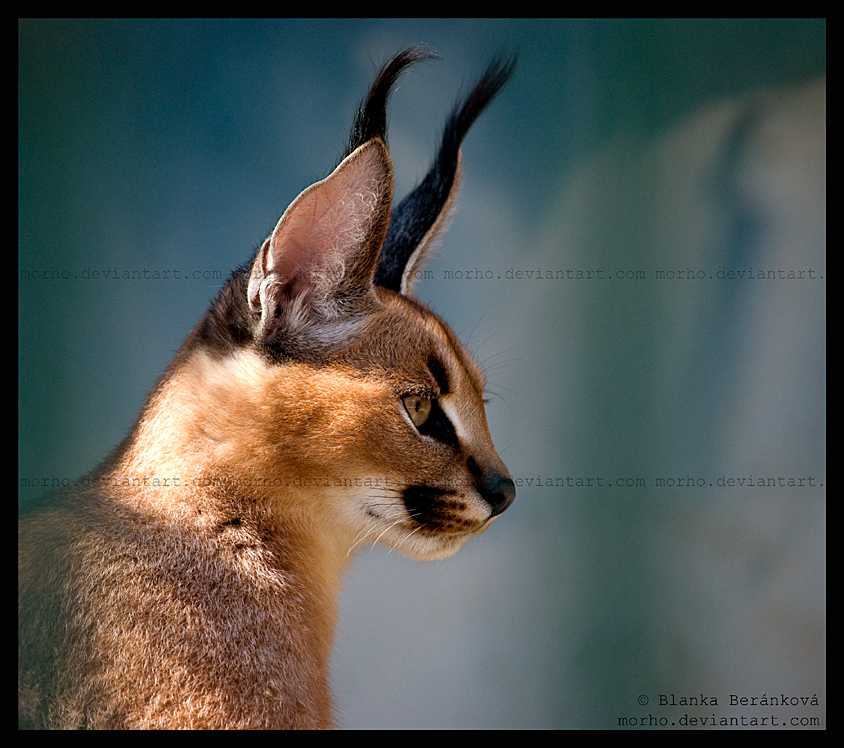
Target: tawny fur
[{"x": 190, "y": 581}]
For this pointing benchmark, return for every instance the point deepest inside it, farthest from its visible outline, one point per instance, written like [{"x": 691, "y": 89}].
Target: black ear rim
[{"x": 414, "y": 216}]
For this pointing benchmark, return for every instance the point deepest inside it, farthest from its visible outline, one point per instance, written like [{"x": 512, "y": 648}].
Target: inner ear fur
[{"x": 321, "y": 257}]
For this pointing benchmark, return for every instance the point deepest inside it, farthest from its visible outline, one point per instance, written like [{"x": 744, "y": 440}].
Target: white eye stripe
[{"x": 451, "y": 413}]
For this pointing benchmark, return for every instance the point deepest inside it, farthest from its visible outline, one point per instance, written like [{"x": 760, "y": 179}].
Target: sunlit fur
[{"x": 190, "y": 580}]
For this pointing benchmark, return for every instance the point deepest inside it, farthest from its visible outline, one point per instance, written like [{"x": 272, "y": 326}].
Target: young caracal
[{"x": 190, "y": 580}]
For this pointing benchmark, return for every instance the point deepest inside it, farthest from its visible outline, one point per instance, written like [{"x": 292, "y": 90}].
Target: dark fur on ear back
[
  {"x": 414, "y": 216},
  {"x": 371, "y": 119},
  {"x": 230, "y": 323}
]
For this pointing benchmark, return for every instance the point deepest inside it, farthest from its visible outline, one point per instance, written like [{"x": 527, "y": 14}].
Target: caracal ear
[
  {"x": 420, "y": 218},
  {"x": 318, "y": 263}
]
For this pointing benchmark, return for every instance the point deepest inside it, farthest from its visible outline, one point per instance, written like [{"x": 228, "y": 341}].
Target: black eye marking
[
  {"x": 438, "y": 426},
  {"x": 426, "y": 413},
  {"x": 439, "y": 374}
]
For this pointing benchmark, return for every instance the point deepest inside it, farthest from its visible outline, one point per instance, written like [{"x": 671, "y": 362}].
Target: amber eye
[{"x": 418, "y": 408}]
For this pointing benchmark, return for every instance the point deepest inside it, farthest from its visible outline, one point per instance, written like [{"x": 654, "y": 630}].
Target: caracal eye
[{"x": 418, "y": 408}]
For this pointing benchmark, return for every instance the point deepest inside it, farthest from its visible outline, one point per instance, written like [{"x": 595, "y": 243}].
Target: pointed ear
[
  {"x": 318, "y": 263},
  {"x": 420, "y": 217},
  {"x": 411, "y": 240}
]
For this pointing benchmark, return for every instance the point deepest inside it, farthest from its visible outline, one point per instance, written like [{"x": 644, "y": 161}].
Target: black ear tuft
[
  {"x": 414, "y": 216},
  {"x": 371, "y": 118}
]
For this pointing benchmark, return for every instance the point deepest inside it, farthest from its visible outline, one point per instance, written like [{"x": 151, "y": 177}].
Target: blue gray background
[{"x": 644, "y": 149}]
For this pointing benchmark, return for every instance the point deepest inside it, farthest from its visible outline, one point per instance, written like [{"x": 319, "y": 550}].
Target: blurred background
[{"x": 637, "y": 260}]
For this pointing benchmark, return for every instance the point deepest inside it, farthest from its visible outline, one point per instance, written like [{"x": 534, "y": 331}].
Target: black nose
[{"x": 496, "y": 490}]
